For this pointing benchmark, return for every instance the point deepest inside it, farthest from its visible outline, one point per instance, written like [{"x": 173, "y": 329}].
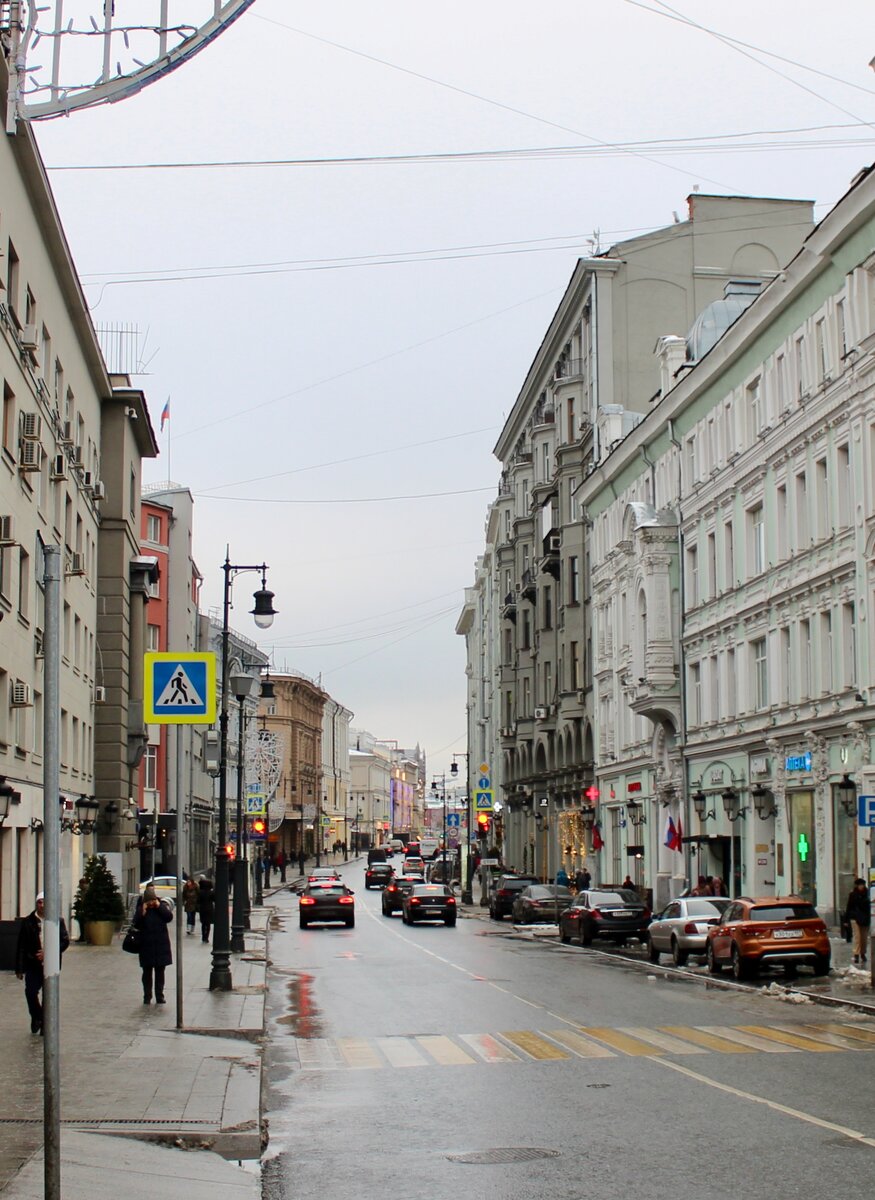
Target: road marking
[
  {"x": 489, "y": 1048},
  {"x": 358, "y": 1053},
  {"x": 581, "y": 1046},
  {"x": 749, "y": 1039},
  {"x": 796, "y": 1113},
  {"x": 819, "y": 1034},
  {"x": 535, "y": 1045},
  {"x": 444, "y": 1051},
  {"x": 317, "y": 1054},
  {"x": 858, "y": 1032},
  {"x": 777, "y": 1034},
  {"x": 710, "y": 1041},
  {"x": 401, "y": 1052},
  {"x": 619, "y": 1040},
  {"x": 671, "y": 1045}
]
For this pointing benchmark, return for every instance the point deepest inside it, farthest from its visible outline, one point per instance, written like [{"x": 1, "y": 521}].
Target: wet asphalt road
[{"x": 398, "y": 1053}]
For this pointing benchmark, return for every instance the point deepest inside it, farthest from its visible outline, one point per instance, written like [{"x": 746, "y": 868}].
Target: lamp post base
[
  {"x": 237, "y": 943},
  {"x": 220, "y": 975}
]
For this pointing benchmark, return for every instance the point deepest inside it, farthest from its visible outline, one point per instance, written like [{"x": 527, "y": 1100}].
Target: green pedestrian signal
[{"x": 803, "y": 847}]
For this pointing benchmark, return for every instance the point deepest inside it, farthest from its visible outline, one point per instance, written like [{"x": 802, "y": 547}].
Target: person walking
[
  {"x": 701, "y": 888},
  {"x": 718, "y": 887},
  {"x": 281, "y": 865},
  {"x": 206, "y": 906},
  {"x": 189, "y": 903},
  {"x": 582, "y": 879},
  {"x": 302, "y": 860},
  {"x": 151, "y": 919},
  {"x": 858, "y": 913},
  {"x": 29, "y": 960},
  {"x": 562, "y": 877}
]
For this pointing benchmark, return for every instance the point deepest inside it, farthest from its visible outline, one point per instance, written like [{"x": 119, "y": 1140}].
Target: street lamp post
[
  {"x": 242, "y": 686},
  {"x": 263, "y": 613},
  {"x": 468, "y": 882}
]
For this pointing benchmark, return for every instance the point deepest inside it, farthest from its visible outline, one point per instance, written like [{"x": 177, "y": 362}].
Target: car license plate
[
  {"x": 789, "y": 933},
  {"x": 433, "y": 912}
]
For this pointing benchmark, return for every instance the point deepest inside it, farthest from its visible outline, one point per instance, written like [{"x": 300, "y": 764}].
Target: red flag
[{"x": 597, "y": 841}]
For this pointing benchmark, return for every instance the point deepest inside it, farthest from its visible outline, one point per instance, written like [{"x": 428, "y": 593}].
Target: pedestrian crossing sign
[
  {"x": 483, "y": 799},
  {"x": 179, "y": 689}
]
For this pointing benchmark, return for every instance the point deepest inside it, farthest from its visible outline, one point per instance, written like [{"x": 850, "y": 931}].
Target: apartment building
[
  {"x": 336, "y": 774},
  {"x": 294, "y": 715}
]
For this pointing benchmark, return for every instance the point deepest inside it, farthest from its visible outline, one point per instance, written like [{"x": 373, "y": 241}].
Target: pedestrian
[
  {"x": 718, "y": 887},
  {"x": 858, "y": 912},
  {"x": 562, "y": 877},
  {"x": 189, "y": 902},
  {"x": 151, "y": 919},
  {"x": 29, "y": 960},
  {"x": 627, "y": 883},
  {"x": 701, "y": 888},
  {"x": 582, "y": 879},
  {"x": 206, "y": 906},
  {"x": 345, "y": 852},
  {"x": 281, "y": 865},
  {"x": 80, "y": 920},
  {"x": 302, "y": 860}
]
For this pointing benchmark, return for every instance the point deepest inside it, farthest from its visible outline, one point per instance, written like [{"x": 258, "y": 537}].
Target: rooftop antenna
[{"x": 98, "y": 57}]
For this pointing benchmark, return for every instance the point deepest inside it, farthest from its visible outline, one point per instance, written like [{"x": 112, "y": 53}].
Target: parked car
[
  {"x": 681, "y": 928},
  {"x": 165, "y": 887},
  {"x": 777, "y": 930},
  {"x": 615, "y": 915},
  {"x": 540, "y": 902},
  {"x": 504, "y": 891},
  {"x": 395, "y": 891},
  {"x": 429, "y": 902},
  {"x": 326, "y": 900},
  {"x": 378, "y": 874}
]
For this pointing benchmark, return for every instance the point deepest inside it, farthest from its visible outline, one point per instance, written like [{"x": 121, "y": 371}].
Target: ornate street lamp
[
  {"x": 263, "y": 613},
  {"x": 732, "y": 805},
  {"x": 762, "y": 802},
  {"x": 242, "y": 687},
  {"x": 700, "y": 804}
]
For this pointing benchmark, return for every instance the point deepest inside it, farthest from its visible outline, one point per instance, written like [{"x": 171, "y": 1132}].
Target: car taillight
[
  {"x": 503, "y": 892},
  {"x": 414, "y": 900},
  {"x": 691, "y": 927},
  {"x": 307, "y": 900},
  {"x": 393, "y": 887},
  {"x": 451, "y": 899},
  {"x": 346, "y": 900},
  {"x": 596, "y": 913},
  {"x": 646, "y": 915}
]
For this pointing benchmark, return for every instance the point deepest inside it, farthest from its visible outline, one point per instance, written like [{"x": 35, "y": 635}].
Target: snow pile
[{"x": 776, "y": 992}]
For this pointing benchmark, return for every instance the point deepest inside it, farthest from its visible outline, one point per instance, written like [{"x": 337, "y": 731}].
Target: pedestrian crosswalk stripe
[
  {"x": 535, "y": 1045},
  {"x": 789, "y": 1039},
  {"x": 516, "y": 1046}
]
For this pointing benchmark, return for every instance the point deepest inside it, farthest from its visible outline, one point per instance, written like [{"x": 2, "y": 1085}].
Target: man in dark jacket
[
  {"x": 858, "y": 913},
  {"x": 29, "y": 960}
]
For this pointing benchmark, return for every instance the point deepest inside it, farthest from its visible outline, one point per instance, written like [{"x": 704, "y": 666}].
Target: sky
[{"x": 341, "y": 341}]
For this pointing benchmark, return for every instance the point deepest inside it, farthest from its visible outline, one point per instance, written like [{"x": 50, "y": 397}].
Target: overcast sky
[{"x": 341, "y": 343}]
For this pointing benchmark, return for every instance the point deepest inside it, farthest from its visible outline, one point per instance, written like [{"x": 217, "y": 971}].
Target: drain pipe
[{"x": 682, "y": 662}]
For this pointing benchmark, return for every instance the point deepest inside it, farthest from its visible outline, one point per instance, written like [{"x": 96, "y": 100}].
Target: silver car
[{"x": 681, "y": 929}]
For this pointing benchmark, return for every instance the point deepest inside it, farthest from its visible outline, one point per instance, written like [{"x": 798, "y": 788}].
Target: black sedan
[
  {"x": 504, "y": 892},
  {"x": 613, "y": 915},
  {"x": 540, "y": 902},
  {"x": 378, "y": 874},
  {"x": 429, "y": 902},
  {"x": 395, "y": 891},
  {"x": 327, "y": 900}
]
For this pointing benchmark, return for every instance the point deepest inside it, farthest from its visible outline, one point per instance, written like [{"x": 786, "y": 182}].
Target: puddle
[{"x": 303, "y": 1018}]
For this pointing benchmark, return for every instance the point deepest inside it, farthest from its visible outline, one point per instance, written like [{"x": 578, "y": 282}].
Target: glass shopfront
[
  {"x": 803, "y": 860},
  {"x": 845, "y": 849}
]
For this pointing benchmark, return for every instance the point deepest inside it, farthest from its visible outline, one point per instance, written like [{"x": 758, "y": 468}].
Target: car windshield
[
  {"x": 548, "y": 892},
  {"x": 783, "y": 912},
  {"x": 514, "y": 885},
  {"x": 327, "y": 889},
  {"x": 599, "y": 898},
  {"x": 429, "y": 890},
  {"x": 706, "y": 908}
]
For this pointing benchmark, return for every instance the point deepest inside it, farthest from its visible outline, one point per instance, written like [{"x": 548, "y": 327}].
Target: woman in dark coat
[
  {"x": 206, "y": 906},
  {"x": 151, "y": 919}
]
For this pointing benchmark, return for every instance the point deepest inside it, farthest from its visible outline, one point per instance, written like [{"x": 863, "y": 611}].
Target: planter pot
[{"x": 100, "y": 933}]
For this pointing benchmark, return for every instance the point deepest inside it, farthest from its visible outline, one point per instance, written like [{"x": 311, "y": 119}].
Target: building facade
[{"x": 295, "y": 715}]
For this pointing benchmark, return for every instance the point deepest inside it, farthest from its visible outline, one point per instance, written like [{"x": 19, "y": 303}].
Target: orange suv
[{"x": 784, "y": 930}]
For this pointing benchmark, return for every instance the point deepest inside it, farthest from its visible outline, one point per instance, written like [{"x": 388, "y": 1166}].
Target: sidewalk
[{"x": 128, "y": 1073}]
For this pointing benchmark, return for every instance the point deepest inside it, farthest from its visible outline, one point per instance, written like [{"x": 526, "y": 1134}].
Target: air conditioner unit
[
  {"x": 7, "y": 531},
  {"x": 100, "y": 695},
  {"x": 87, "y": 481},
  {"x": 98, "y": 489},
  {"x": 66, "y": 435},
  {"x": 541, "y": 714},
  {"x": 31, "y": 426},
  {"x": 77, "y": 563},
  {"x": 30, "y": 456},
  {"x": 28, "y": 338},
  {"x": 20, "y": 695},
  {"x": 77, "y": 456},
  {"x": 59, "y": 467}
]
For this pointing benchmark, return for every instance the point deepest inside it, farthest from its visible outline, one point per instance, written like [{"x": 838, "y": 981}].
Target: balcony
[
  {"x": 550, "y": 560},
  {"x": 528, "y": 587},
  {"x": 569, "y": 368},
  {"x": 508, "y": 609}
]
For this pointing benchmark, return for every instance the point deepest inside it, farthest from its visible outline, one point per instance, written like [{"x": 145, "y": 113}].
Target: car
[
  {"x": 442, "y": 869},
  {"x": 376, "y": 854},
  {"x": 413, "y": 848},
  {"x": 413, "y": 862},
  {"x": 429, "y": 902},
  {"x": 681, "y": 928},
  {"x": 597, "y": 913},
  {"x": 395, "y": 891},
  {"x": 165, "y": 887},
  {"x": 326, "y": 900},
  {"x": 317, "y": 873},
  {"x": 378, "y": 874},
  {"x": 540, "y": 902},
  {"x": 504, "y": 892},
  {"x": 772, "y": 931}
]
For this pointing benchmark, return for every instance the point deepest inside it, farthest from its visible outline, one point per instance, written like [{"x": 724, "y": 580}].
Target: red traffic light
[
  {"x": 231, "y": 850},
  {"x": 259, "y": 825},
  {"x": 484, "y": 822}
]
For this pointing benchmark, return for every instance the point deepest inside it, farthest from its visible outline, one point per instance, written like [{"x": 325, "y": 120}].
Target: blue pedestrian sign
[
  {"x": 483, "y": 799},
  {"x": 454, "y": 820},
  {"x": 866, "y": 810},
  {"x": 179, "y": 689}
]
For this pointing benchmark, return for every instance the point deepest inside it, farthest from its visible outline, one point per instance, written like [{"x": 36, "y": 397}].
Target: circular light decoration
[{"x": 69, "y": 54}]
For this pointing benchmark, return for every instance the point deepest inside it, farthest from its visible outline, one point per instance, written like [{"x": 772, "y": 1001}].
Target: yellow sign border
[{"x": 207, "y": 717}]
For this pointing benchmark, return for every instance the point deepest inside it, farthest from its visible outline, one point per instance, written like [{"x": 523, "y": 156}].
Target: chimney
[{"x": 671, "y": 351}]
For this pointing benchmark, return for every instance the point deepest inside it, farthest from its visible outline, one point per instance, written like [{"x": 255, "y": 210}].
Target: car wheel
[
  {"x": 563, "y": 936},
  {"x": 585, "y": 936},
  {"x": 679, "y": 957},
  {"x": 493, "y": 915},
  {"x": 351, "y": 923},
  {"x": 821, "y": 964},
  {"x": 450, "y": 921},
  {"x": 740, "y": 969},
  {"x": 713, "y": 965},
  {"x": 621, "y": 941},
  {"x": 790, "y": 971},
  {"x": 653, "y": 953},
  {"x": 303, "y": 924}
]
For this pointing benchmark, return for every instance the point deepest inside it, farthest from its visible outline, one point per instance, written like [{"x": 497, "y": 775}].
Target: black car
[
  {"x": 429, "y": 902},
  {"x": 540, "y": 902},
  {"x": 378, "y": 874},
  {"x": 505, "y": 891},
  {"x": 615, "y": 915},
  {"x": 326, "y": 900},
  {"x": 395, "y": 891}
]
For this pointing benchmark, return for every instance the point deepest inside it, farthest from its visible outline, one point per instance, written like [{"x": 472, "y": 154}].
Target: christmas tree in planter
[{"x": 98, "y": 899}]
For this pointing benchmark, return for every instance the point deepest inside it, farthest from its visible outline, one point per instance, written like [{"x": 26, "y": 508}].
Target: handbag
[{"x": 131, "y": 943}]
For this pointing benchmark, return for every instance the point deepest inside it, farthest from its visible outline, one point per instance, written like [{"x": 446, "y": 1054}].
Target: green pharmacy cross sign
[{"x": 803, "y": 847}]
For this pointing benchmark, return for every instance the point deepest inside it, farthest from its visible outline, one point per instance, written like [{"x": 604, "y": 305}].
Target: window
[
  {"x": 713, "y": 689},
  {"x": 849, "y": 645},
  {"x": 821, "y": 499},
  {"x": 508, "y": 709},
  {"x": 572, "y": 429},
  {"x": 150, "y": 768},
  {"x": 548, "y": 607},
  {"x": 804, "y": 659},
  {"x": 692, "y": 468},
  {"x": 760, "y": 674},
  {"x": 692, "y": 576},
  {"x": 712, "y": 565},
  {"x": 781, "y": 520},
  {"x": 23, "y": 583},
  {"x": 8, "y": 419},
  {"x": 756, "y": 414},
  {"x": 527, "y": 630},
  {"x": 153, "y": 636},
  {"x": 696, "y": 693},
  {"x": 842, "y": 329},
  {"x": 757, "y": 540},
  {"x": 826, "y": 652},
  {"x": 780, "y": 383},
  {"x": 821, "y": 350},
  {"x": 13, "y": 276},
  {"x": 786, "y": 662},
  {"x": 843, "y": 485},
  {"x": 731, "y": 685},
  {"x": 548, "y": 683},
  {"x": 799, "y": 364},
  {"x": 526, "y": 697},
  {"x": 573, "y": 579},
  {"x": 574, "y": 660},
  {"x": 802, "y": 533},
  {"x": 573, "y": 507},
  {"x": 729, "y": 554},
  {"x": 545, "y": 463},
  {"x": 153, "y": 528}
]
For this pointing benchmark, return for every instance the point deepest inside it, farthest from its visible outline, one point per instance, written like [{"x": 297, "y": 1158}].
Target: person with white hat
[{"x": 29, "y": 960}]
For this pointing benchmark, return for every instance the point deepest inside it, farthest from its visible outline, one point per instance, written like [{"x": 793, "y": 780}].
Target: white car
[{"x": 681, "y": 929}]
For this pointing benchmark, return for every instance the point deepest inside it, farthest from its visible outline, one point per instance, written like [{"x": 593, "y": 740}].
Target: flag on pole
[
  {"x": 165, "y": 414},
  {"x": 597, "y": 840},
  {"x": 673, "y": 834}
]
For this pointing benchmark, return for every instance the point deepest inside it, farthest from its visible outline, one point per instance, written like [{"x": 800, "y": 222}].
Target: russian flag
[
  {"x": 165, "y": 414},
  {"x": 673, "y": 835}
]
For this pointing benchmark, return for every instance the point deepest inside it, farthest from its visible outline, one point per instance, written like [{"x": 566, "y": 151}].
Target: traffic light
[
  {"x": 231, "y": 851},
  {"x": 259, "y": 825},
  {"x": 484, "y": 824}
]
